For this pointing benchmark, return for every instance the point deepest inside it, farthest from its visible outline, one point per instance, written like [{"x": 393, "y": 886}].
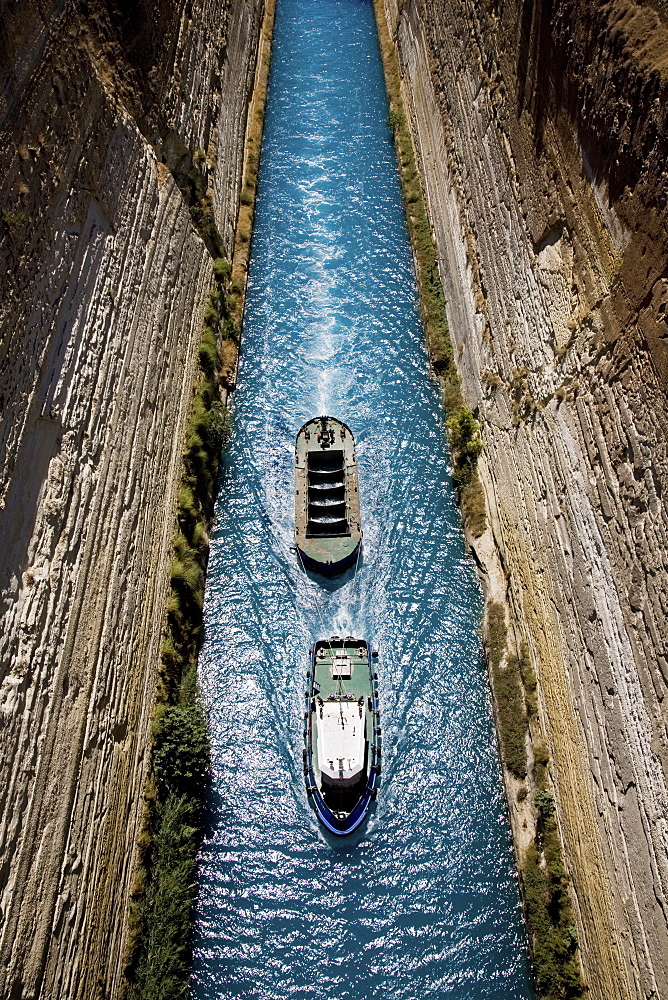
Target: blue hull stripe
[{"x": 340, "y": 827}]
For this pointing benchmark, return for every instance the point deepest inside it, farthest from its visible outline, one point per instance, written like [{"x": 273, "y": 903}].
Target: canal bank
[
  {"x": 159, "y": 927},
  {"x": 553, "y": 256},
  {"x": 426, "y": 898},
  {"x": 122, "y": 133},
  {"x": 544, "y": 882}
]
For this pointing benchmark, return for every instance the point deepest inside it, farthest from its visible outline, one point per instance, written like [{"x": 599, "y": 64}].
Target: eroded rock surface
[
  {"x": 120, "y": 124},
  {"x": 542, "y": 134}
]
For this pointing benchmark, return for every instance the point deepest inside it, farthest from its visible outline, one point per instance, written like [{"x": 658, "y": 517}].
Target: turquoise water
[{"x": 424, "y": 900}]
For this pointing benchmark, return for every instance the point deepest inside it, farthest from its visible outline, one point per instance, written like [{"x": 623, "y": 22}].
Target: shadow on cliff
[{"x": 603, "y": 68}]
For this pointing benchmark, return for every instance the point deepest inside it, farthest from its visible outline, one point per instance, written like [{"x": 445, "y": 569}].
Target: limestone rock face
[
  {"x": 119, "y": 125},
  {"x": 542, "y": 133}
]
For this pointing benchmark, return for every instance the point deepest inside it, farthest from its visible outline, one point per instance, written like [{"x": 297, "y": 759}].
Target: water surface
[{"x": 424, "y": 900}]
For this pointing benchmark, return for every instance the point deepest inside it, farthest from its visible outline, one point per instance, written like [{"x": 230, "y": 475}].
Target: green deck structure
[{"x": 342, "y": 753}]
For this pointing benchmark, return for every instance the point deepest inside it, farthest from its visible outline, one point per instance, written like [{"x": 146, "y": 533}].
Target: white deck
[{"x": 340, "y": 734}]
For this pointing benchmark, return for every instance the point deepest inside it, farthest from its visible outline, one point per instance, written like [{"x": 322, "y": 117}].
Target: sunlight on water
[{"x": 423, "y": 900}]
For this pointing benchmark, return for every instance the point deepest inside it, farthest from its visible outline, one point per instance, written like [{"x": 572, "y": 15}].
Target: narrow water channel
[{"x": 424, "y": 900}]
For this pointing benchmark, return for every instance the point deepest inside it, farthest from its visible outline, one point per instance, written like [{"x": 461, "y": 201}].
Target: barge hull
[{"x": 330, "y": 568}]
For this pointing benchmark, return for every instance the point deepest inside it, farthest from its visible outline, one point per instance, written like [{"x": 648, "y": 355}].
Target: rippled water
[{"x": 424, "y": 899}]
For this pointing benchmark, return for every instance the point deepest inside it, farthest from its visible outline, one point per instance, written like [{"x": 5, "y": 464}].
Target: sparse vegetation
[
  {"x": 164, "y": 912},
  {"x": 529, "y": 681},
  {"x": 158, "y": 955},
  {"x": 472, "y": 500},
  {"x": 541, "y": 759},
  {"x": 159, "y": 926},
  {"x": 547, "y": 906},
  {"x": 13, "y": 219},
  {"x": 513, "y": 726},
  {"x": 497, "y": 634},
  {"x": 221, "y": 268},
  {"x": 202, "y": 215},
  {"x": 508, "y": 693},
  {"x": 544, "y": 881},
  {"x": 430, "y": 288}
]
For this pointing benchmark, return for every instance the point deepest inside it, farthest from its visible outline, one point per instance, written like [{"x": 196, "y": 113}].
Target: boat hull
[
  {"x": 326, "y": 566},
  {"x": 342, "y": 828},
  {"x": 328, "y": 532},
  {"x": 341, "y": 805}
]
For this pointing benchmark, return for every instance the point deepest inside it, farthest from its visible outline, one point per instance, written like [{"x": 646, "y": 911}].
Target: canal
[{"x": 424, "y": 901}]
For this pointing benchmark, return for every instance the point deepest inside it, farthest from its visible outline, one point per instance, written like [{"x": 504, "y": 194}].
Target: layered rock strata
[
  {"x": 541, "y": 130},
  {"x": 121, "y": 143}
]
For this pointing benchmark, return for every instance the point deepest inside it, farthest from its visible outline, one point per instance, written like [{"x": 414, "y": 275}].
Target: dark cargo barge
[{"x": 328, "y": 533}]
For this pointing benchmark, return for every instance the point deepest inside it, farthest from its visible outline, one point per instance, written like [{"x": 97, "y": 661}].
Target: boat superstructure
[
  {"x": 342, "y": 732},
  {"x": 328, "y": 533}
]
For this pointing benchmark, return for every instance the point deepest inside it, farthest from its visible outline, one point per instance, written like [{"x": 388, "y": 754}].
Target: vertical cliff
[
  {"x": 120, "y": 157},
  {"x": 541, "y": 129}
]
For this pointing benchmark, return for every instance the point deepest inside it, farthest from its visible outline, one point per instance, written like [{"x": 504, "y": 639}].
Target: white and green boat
[
  {"x": 328, "y": 534},
  {"x": 342, "y": 732}
]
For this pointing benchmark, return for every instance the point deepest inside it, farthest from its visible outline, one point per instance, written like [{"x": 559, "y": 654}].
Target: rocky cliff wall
[
  {"x": 541, "y": 129},
  {"x": 121, "y": 126}
]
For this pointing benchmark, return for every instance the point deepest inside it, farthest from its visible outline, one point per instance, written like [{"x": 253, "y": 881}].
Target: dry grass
[{"x": 474, "y": 511}]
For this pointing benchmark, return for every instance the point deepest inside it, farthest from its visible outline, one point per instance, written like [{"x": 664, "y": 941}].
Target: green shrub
[
  {"x": 222, "y": 268},
  {"x": 211, "y": 315},
  {"x": 466, "y": 443},
  {"x": 164, "y": 958},
  {"x": 544, "y": 802},
  {"x": 550, "y": 928},
  {"x": 395, "y": 120},
  {"x": 181, "y": 751},
  {"x": 219, "y": 426},
  {"x": 208, "y": 351}
]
